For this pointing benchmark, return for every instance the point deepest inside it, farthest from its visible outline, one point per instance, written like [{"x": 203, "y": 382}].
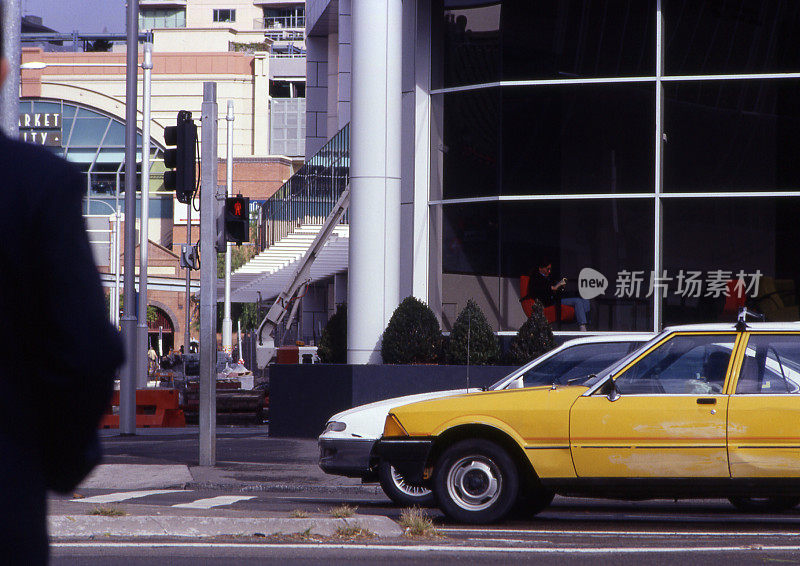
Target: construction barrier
[{"x": 154, "y": 408}]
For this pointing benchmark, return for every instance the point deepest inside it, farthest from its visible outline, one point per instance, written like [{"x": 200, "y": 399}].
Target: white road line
[
  {"x": 214, "y": 501},
  {"x": 125, "y": 495},
  {"x": 428, "y": 548},
  {"x": 613, "y": 533}
]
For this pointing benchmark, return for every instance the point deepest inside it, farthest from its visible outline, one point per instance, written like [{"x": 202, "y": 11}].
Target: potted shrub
[
  {"x": 333, "y": 342},
  {"x": 412, "y": 335},
  {"x": 472, "y": 331},
  {"x": 534, "y": 338}
]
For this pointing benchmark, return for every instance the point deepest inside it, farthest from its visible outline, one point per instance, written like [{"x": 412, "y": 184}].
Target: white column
[{"x": 375, "y": 130}]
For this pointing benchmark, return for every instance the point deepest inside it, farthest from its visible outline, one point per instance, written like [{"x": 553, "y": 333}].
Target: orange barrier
[{"x": 154, "y": 408}]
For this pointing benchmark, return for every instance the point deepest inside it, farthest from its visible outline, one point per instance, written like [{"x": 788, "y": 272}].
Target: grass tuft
[
  {"x": 352, "y": 531},
  {"x": 108, "y": 511},
  {"x": 343, "y": 512},
  {"x": 298, "y": 514},
  {"x": 417, "y": 523}
]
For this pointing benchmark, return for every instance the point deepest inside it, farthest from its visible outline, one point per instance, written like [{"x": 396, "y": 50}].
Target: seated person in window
[{"x": 543, "y": 288}]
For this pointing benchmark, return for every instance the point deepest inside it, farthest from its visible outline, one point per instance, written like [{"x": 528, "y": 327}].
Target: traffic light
[
  {"x": 237, "y": 219},
  {"x": 181, "y": 161}
]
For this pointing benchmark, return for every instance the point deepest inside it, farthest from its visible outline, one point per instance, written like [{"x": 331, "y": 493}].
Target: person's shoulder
[{"x": 36, "y": 166}]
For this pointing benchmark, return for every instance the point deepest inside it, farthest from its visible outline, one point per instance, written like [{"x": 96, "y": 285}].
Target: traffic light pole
[
  {"x": 227, "y": 325},
  {"x": 208, "y": 277}
]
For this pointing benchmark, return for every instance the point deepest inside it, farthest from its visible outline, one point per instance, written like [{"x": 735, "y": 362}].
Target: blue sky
[{"x": 88, "y": 16}]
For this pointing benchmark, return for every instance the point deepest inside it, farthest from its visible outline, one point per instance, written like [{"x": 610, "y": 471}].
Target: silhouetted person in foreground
[{"x": 53, "y": 313}]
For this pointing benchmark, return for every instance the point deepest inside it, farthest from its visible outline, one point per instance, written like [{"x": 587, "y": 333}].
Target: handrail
[{"x": 309, "y": 195}]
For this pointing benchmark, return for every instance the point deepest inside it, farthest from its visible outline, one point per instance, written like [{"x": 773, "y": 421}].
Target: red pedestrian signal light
[{"x": 237, "y": 219}]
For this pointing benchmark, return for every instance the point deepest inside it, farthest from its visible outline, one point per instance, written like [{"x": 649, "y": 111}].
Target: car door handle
[{"x": 706, "y": 401}]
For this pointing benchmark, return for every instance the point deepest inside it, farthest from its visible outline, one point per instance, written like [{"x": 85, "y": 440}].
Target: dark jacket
[
  {"x": 58, "y": 352},
  {"x": 540, "y": 288}
]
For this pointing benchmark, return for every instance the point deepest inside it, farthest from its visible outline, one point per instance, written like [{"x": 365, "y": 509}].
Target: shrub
[
  {"x": 483, "y": 346},
  {"x": 333, "y": 342},
  {"x": 412, "y": 335},
  {"x": 534, "y": 338}
]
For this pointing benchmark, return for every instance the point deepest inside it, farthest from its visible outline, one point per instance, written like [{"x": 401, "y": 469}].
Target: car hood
[
  {"x": 366, "y": 421},
  {"x": 543, "y": 409}
]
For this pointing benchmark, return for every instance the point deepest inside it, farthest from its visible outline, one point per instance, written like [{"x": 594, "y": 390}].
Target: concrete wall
[{"x": 303, "y": 397}]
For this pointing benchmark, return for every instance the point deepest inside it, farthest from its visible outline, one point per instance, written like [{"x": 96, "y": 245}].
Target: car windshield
[{"x": 570, "y": 365}]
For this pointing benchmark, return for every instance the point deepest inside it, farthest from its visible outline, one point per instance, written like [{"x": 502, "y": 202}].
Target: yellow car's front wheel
[{"x": 476, "y": 481}]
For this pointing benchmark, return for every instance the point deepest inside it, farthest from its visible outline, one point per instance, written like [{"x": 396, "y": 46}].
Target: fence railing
[{"x": 309, "y": 195}]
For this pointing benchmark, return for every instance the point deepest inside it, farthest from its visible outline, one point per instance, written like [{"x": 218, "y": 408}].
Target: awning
[{"x": 271, "y": 271}]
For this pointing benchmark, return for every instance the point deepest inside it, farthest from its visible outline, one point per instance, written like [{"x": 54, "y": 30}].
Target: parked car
[
  {"x": 346, "y": 443},
  {"x": 707, "y": 411}
]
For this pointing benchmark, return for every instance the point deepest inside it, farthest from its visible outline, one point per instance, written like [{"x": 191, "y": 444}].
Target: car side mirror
[{"x": 610, "y": 390}]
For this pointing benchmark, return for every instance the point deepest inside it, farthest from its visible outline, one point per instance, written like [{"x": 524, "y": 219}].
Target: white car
[{"x": 346, "y": 443}]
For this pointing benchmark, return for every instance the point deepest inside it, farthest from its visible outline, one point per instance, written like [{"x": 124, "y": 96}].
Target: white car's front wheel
[{"x": 395, "y": 487}]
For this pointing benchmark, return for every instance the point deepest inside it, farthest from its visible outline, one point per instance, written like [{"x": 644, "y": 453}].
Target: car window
[
  {"x": 685, "y": 364},
  {"x": 576, "y": 362},
  {"x": 771, "y": 365}
]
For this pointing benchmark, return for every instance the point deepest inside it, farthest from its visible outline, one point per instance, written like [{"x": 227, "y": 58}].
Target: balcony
[{"x": 290, "y": 28}]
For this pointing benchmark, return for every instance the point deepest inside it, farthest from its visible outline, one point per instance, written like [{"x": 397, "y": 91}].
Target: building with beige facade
[{"x": 74, "y": 103}]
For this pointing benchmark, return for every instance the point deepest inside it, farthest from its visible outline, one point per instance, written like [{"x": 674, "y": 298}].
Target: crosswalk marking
[
  {"x": 214, "y": 501},
  {"x": 125, "y": 495}
]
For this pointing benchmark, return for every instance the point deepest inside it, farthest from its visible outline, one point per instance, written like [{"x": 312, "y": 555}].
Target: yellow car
[{"x": 710, "y": 411}]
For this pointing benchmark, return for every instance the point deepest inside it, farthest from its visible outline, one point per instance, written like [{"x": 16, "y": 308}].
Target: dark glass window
[
  {"x": 575, "y": 38},
  {"x": 732, "y": 135},
  {"x": 485, "y": 42},
  {"x": 731, "y": 36},
  {"x": 721, "y": 254},
  {"x": 578, "y": 139},
  {"x": 611, "y": 237},
  {"x": 471, "y": 143},
  {"x": 470, "y": 239},
  {"x": 470, "y": 38}
]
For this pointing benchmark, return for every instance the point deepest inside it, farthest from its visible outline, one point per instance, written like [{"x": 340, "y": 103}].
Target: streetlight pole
[
  {"x": 141, "y": 350},
  {"x": 127, "y": 397}
]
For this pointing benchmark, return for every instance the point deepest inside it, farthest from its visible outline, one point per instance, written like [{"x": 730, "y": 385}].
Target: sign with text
[{"x": 40, "y": 128}]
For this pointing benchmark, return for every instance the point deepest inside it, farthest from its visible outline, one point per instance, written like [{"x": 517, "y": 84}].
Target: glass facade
[
  {"x": 95, "y": 143},
  {"x": 645, "y": 148}
]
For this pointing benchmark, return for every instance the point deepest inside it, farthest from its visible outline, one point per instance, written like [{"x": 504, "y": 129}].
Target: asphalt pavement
[{"x": 247, "y": 460}]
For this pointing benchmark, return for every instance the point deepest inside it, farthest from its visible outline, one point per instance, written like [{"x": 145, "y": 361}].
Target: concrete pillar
[{"x": 375, "y": 131}]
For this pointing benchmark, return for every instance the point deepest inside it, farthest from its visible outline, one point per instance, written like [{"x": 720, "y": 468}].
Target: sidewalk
[{"x": 247, "y": 461}]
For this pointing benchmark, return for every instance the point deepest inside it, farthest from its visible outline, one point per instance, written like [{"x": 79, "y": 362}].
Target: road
[{"x": 571, "y": 531}]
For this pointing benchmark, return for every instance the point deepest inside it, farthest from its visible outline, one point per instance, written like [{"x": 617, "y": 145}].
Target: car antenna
[
  {"x": 741, "y": 321},
  {"x": 469, "y": 328}
]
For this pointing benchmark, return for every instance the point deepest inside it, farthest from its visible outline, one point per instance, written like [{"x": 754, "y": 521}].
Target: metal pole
[
  {"x": 227, "y": 325},
  {"x": 187, "y": 335},
  {"x": 117, "y": 270},
  {"x": 239, "y": 328},
  {"x": 9, "y": 95},
  {"x": 127, "y": 394},
  {"x": 141, "y": 350},
  {"x": 208, "y": 277}
]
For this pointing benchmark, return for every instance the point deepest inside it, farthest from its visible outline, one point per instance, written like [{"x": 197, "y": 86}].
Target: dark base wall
[{"x": 303, "y": 397}]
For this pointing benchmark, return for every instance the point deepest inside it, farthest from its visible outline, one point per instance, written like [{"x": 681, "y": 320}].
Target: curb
[{"x": 93, "y": 527}]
